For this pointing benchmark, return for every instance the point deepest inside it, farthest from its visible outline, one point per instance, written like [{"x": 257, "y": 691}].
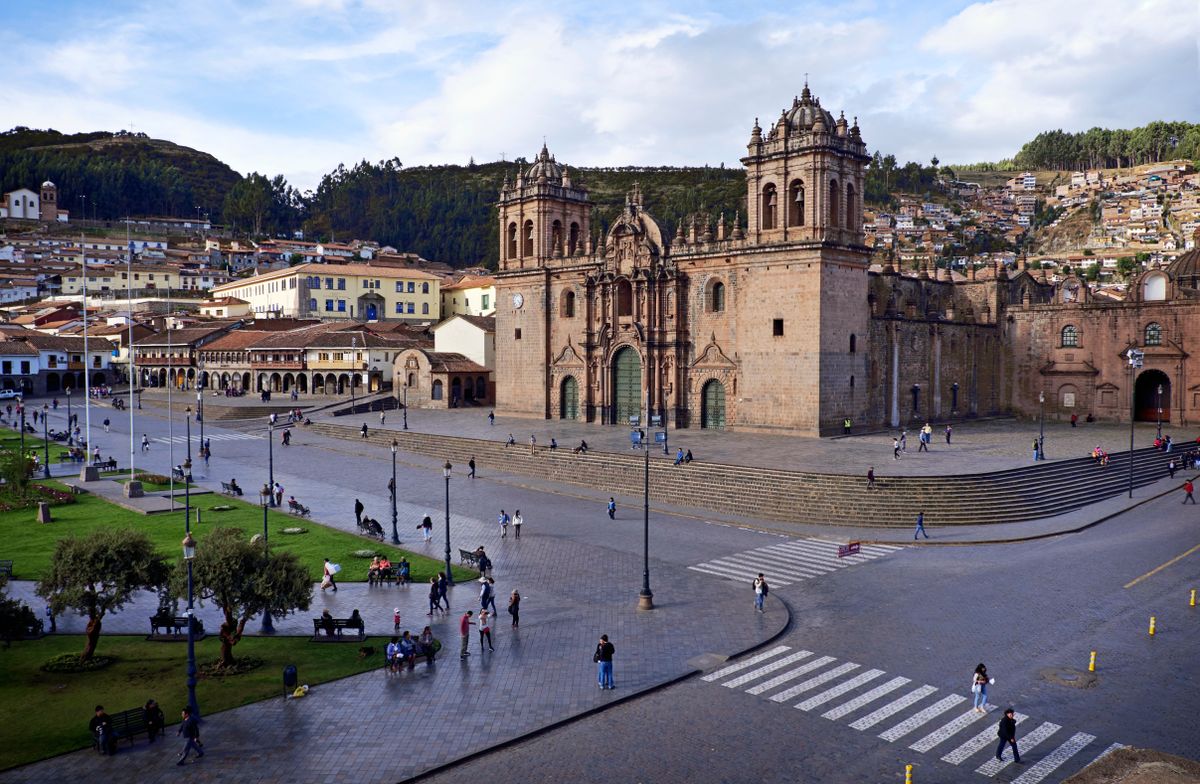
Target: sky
[{"x": 295, "y": 87}]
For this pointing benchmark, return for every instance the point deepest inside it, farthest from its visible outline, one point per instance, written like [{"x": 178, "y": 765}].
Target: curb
[{"x": 445, "y": 766}]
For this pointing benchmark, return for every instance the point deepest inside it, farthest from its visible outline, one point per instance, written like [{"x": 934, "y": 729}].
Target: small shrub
[
  {"x": 243, "y": 665},
  {"x": 294, "y": 531},
  {"x": 155, "y": 479},
  {"x": 70, "y": 662}
]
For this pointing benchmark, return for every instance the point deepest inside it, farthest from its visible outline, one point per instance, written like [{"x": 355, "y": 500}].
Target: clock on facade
[{"x": 518, "y": 300}]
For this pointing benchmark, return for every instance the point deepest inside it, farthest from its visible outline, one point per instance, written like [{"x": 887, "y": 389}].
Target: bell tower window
[
  {"x": 573, "y": 240},
  {"x": 850, "y": 219},
  {"x": 796, "y": 204},
  {"x": 833, "y": 204},
  {"x": 768, "y": 207},
  {"x": 512, "y": 240},
  {"x": 527, "y": 238}
]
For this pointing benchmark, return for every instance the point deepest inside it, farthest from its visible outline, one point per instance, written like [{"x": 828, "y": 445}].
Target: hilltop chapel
[{"x": 783, "y": 324}]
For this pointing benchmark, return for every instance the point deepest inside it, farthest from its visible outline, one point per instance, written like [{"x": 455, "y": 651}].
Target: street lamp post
[
  {"x": 646, "y": 596},
  {"x": 446, "y": 473},
  {"x": 189, "y": 553},
  {"x": 21, "y": 409},
  {"x": 264, "y": 496},
  {"x": 188, "y": 424},
  {"x": 395, "y": 533},
  {"x": 1158, "y": 401},
  {"x": 1041, "y": 455},
  {"x": 406, "y": 406},
  {"x": 271, "y": 459},
  {"x": 46, "y": 440},
  {"x": 1135, "y": 362},
  {"x": 354, "y": 374},
  {"x": 69, "y": 420}
]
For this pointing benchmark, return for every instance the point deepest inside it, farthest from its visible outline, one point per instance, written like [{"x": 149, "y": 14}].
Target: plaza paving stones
[
  {"x": 906, "y": 714},
  {"x": 791, "y": 561}
]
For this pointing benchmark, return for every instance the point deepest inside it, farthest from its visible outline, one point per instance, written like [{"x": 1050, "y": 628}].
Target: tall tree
[{"x": 98, "y": 574}]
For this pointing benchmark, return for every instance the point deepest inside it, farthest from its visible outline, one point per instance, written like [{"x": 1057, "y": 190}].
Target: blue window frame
[
  {"x": 412, "y": 287},
  {"x": 399, "y": 307},
  {"x": 329, "y": 305},
  {"x": 411, "y": 308},
  {"x": 341, "y": 284},
  {"x": 341, "y": 306},
  {"x": 425, "y": 308}
]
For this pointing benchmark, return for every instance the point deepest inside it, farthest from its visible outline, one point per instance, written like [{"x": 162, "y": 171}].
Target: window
[
  {"x": 527, "y": 237},
  {"x": 486, "y": 299},
  {"x": 399, "y": 286},
  {"x": 25, "y": 366},
  {"x": 1070, "y": 337},
  {"x": 517, "y": 334},
  {"x": 412, "y": 308},
  {"x": 1153, "y": 334},
  {"x": 777, "y": 328},
  {"x": 624, "y": 298},
  {"x": 853, "y": 347},
  {"x": 768, "y": 207},
  {"x": 796, "y": 203},
  {"x": 341, "y": 284},
  {"x": 717, "y": 298},
  {"x": 399, "y": 307},
  {"x": 341, "y": 306},
  {"x": 377, "y": 282},
  {"x": 1155, "y": 288},
  {"x": 568, "y": 304},
  {"x": 412, "y": 287},
  {"x": 850, "y": 206},
  {"x": 312, "y": 304},
  {"x": 329, "y": 283},
  {"x": 425, "y": 288},
  {"x": 425, "y": 308},
  {"x": 833, "y": 204},
  {"x": 512, "y": 240},
  {"x": 328, "y": 304}
]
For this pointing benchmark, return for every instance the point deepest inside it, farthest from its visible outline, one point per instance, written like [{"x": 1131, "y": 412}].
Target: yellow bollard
[
  {"x": 1092, "y": 663},
  {"x": 1192, "y": 603},
  {"x": 908, "y": 774},
  {"x": 1151, "y": 625}
]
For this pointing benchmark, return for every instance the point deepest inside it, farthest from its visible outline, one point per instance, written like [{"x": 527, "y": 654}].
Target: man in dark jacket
[
  {"x": 358, "y": 512},
  {"x": 190, "y": 729},
  {"x": 154, "y": 718},
  {"x": 102, "y": 731},
  {"x": 604, "y": 660},
  {"x": 1008, "y": 735}
]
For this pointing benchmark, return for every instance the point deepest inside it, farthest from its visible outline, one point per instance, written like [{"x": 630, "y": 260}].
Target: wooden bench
[
  {"x": 177, "y": 624},
  {"x": 6, "y": 569},
  {"x": 108, "y": 465},
  {"x": 468, "y": 558},
  {"x": 127, "y": 725},
  {"x": 387, "y": 575},
  {"x": 228, "y": 489},
  {"x": 339, "y": 625},
  {"x": 849, "y": 549}
]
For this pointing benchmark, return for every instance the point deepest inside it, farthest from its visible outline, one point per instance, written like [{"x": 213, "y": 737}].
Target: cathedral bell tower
[{"x": 543, "y": 216}]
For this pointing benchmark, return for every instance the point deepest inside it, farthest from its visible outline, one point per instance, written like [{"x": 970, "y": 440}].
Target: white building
[{"x": 23, "y": 204}]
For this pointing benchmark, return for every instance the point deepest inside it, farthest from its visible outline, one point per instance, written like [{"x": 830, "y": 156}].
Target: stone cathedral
[{"x": 780, "y": 324}]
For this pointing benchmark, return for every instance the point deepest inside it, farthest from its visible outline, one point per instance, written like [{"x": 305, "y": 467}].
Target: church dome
[
  {"x": 47, "y": 184},
  {"x": 545, "y": 166},
  {"x": 1185, "y": 269},
  {"x": 805, "y": 112}
]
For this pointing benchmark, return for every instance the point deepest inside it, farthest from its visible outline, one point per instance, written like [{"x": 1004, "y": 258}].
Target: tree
[
  {"x": 99, "y": 574},
  {"x": 1125, "y": 266},
  {"x": 16, "y": 619},
  {"x": 233, "y": 573}
]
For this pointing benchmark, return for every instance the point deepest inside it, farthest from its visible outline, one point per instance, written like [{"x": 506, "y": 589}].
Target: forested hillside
[{"x": 1101, "y": 148}]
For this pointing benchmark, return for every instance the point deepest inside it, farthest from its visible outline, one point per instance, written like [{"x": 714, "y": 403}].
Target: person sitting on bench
[
  {"x": 233, "y": 487},
  {"x": 327, "y": 622}
]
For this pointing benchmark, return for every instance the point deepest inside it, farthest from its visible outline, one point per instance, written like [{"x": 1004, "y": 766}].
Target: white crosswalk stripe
[
  {"x": 840, "y": 689},
  {"x": 842, "y": 680},
  {"x": 893, "y": 707},
  {"x": 183, "y": 439},
  {"x": 1049, "y": 763},
  {"x": 790, "y": 561},
  {"x": 813, "y": 683},
  {"x": 753, "y": 660},
  {"x": 947, "y": 730},
  {"x": 866, "y": 698},
  {"x": 755, "y": 674},
  {"x": 766, "y": 686},
  {"x": 1043, "y": 731},
  {"x": 985, "y": 739},
  {"x": 924, "y": 717}
]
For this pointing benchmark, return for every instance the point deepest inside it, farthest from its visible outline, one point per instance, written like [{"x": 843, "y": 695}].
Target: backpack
[{"x": 766, "y": 588}]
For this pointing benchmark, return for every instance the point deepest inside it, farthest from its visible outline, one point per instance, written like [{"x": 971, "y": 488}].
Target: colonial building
[{"x": 778, "y": 324}]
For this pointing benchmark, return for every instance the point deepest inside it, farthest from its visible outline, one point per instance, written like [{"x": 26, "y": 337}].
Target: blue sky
[{"x": 298, "y": 86}]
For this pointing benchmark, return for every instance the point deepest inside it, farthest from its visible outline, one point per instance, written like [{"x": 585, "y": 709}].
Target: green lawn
[
  {"x": 30, "y": 545},
  {"x": 44, "y": 714}
]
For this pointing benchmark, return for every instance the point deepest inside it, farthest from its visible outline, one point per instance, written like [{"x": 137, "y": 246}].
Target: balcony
[
  {"x": 291, "y": 364},
  {"x": 337, "y": 364}
]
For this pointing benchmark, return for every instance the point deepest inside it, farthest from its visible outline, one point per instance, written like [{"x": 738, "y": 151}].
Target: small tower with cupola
[
  {"x": 543, "y": 216},
  {"x": 49, "y": 202}
]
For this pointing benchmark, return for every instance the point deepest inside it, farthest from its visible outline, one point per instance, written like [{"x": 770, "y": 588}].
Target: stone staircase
[{"x": 1026, "y": 493}]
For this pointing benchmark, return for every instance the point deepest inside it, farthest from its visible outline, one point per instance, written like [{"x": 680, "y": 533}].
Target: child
[{"x": 396, "y": 619}]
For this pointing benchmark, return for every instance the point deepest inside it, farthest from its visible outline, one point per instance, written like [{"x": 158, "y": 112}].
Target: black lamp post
[
  {"x": 188, "y": 423},
  {"x": 1158, "y": 401},
  {"x": 354, "y": 374},
  {"x": 395, "y": 533},
  {"x": 21, "y": 410},
  {"x": 1135, "y": 358},
  {"x": 1041, "y": 455},
  {"x": 446, "y": 473},
  {"x": 69, "y": 420},
  {"x": 406, "y": 406},
  {"x": 189, "y": 553},
  {"x": 646, "y": 596},
  {"x": 271, "y": 461},
  {"x": 264, "y": 497},
  {"x": 46, "y": 440}
]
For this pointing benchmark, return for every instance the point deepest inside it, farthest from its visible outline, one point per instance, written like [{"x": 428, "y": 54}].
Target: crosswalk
[
  {"x": 936, "y": 720},
  {"x": 791, "y": 561},
  {"x": 182, "y": 439}
]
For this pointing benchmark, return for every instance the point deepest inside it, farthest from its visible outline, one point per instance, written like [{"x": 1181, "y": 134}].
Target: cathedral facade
[{"x": 783, "y": 323}]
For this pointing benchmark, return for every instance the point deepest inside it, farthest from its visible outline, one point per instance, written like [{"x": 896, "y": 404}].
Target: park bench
[
  {"x": 339, "y": 625},
  {"x": 6, "y": 569},
  {"x": 468, "y": 558},
  {"x": 228, "y": 489},
  {"x": 852, "y": 548},
  {"x": 180, "y": 476},
  {"x": 387, "y": 575},
  {"x": 177, "y": 624},
  {"x": 437, "y": 648},
  {"x": 297, "y": 508},
  {"x": 127, "y": 725},
  {"x": 108, "y": 465}
]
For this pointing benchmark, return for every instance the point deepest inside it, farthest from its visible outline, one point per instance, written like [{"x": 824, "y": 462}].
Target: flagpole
[
  {"x": 87, "y": 377},
  {"x": 129, "y": 317}
]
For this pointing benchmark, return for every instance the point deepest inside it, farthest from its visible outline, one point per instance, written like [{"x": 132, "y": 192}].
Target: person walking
[
  {"x": 189, "y": 728},
  {"x": 426, "y": 527},
  {"x": 516, "y": 521},
  {"x": 358, "y": 512},
  {"x": 464, "y": 630},
  {"x": 612, "y": 508},
  {"x": 153, "y": 717},
  {"x": 443, "y": 591},
  {"x": 979, "y": 684},
  {"x": 492, "y": 418},
  {"x": 1007, "y": 732},
  {"x": 1035, "y": 450},
  {"x": 514, "y": 608},
  {"x": 923, "y": 442},
  {"x": 503, "y": 521},
  {"x": 106, "y": 424},
  {"x": 145, "y": 443},
  {"x": 278, "y": 494},
  {"x": 471, "y": 468},
  {"x": 485, "y": 631},
  {"x": 1171, "y": 469},
  {"x": 532, "y": 443},
  {"x": 895, "y": 448},
  {"x": 327, "y": 580},
  {"x": 1074, "y": 420},
  {"x": 904, "y": 441},
  {"x": 949, "y": 432},
  {"x": 485, "y": 593},
  {"x": 382, "y": 418},
  {"x": 761, "y": 589},
  {"x": 604, "y": 661},
  {"x": 920, "y": 526},
  {"x": 871, "y": 478},
  {"x": 846, "y": 425},
  {"x": 491, "y": 602},
  {"x": 1187, "y": 488},
  {"x": 435, "y": 594}
]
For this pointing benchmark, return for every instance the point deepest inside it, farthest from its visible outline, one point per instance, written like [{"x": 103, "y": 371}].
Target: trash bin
[{"x": 290, "y": 679}]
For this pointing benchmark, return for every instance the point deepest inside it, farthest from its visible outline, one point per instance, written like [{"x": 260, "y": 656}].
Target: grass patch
[
  {"x": 46, "y": 713},
  {"x": 30, "y": 545}
]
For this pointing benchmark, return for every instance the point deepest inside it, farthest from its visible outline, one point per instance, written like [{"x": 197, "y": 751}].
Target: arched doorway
[
  {"x": 568, "y": 401},
  {"x": 1147, "y": 400},
  {"x": 372, "y": 312},
  {"x": 712, "y": 406},
  {"x": 455, "y": 391},
  {"x": 436, "y": 393},
  {"x": 627, "y": 385},
  {"x": 52, "y": 382}
]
